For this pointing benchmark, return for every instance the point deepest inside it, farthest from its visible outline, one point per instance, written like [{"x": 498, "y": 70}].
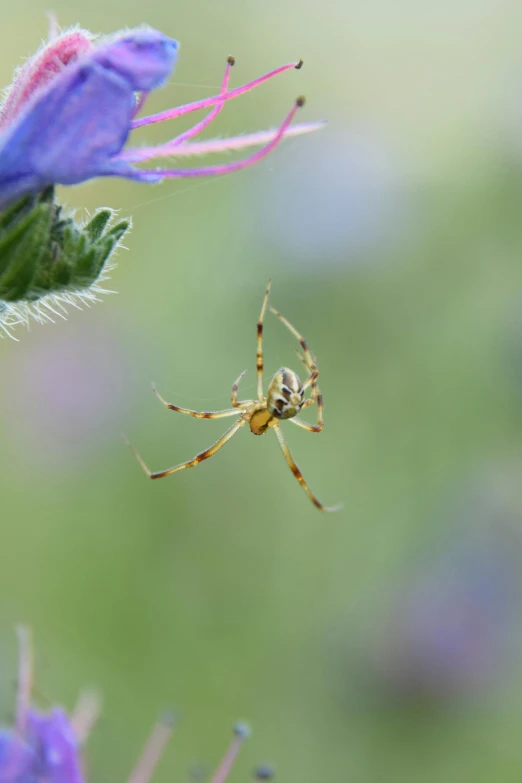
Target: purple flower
[
  {"x": 72, "y": 107},
  {"x": 452, "y": 628},
  {"x": 47, "y": 746},
  {"x": 43, "y": 746}
]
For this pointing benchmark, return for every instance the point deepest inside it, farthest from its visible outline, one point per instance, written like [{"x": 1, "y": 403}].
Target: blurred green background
[{"x": 381, "y": 643}]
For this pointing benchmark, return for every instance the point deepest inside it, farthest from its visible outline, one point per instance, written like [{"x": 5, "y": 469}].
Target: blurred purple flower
[
  {"x": 452, "y": 627},
  {"x": 42, "y": 746},
  {"x": 72, "y": 107},
  {"x": 345, "y": 202},
  {"x": 67, "y": 396},
  {"x": 47, "y": 746}
]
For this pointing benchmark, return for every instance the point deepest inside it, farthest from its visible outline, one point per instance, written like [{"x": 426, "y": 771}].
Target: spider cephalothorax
[{"x": 284, "y": 399}]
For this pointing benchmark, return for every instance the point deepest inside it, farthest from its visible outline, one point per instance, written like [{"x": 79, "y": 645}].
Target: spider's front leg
[
  {"x": 316, "y": 396},
  {"x": 319, "y": 427},
  {"x": 235, "y": 387},
  {"x": 196, "y": 414},
  {"x": 309, "y": 361},
  {"x": 259, "y": 354}
]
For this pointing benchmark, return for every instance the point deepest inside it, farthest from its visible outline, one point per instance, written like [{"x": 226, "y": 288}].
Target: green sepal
[
  {"x": 42, "y": 252},
  {"x": 21, "y": 248}
]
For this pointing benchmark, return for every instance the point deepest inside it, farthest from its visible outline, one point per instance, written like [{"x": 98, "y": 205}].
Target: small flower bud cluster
[{"x": 47, "y": 746}]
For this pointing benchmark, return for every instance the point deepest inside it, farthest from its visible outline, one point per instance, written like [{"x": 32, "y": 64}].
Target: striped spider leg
[
  {"x": 310, "y": 366},
  {"x": 284, "y": 399},
  {"x": 240, "y": 408},
  {"x": 287, "y": 386}
]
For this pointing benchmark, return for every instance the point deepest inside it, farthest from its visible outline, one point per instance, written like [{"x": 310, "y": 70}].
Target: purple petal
[
  {"x": 144, "y": 58},
  {"x": 71, "y": 130},
  {"x": 55, "y": 744},
  {"x": 17, "y": 760}
]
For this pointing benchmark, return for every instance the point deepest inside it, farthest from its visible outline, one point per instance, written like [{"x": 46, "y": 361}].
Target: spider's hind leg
[
  {"x": 259, "y": 355},
  {"x": 192, "y": 462},
  {"x": 316, "y": 396},
  {"x": 297, "y": 473}
]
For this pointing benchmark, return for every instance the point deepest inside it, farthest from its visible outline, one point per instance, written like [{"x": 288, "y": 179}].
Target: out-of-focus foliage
[{"x": 379, "y": 643}]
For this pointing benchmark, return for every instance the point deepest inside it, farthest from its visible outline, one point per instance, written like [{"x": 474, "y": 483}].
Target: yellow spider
[{"x": 284, "y": 400}]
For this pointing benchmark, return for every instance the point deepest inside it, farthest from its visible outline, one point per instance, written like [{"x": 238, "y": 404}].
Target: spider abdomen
[{"x": 285, "y": 394}]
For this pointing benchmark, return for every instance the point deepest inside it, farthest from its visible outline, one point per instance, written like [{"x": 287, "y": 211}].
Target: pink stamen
[
  {"x": 230, "y": 144},
  {"x": 134, "y": 155},
  {"x": 153, "y": 750},
  {"x": 23, "y": 696},
  {"x": 206, "y": 103},
  {"x": 25, "y": 678},
  {"x": 227, "y": 762},
  {"x": 85, "y": 714},
  {"x": 211, "y": 116},
  {"x": 228, "y": 168}
]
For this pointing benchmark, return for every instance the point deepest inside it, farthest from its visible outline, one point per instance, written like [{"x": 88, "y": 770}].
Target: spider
[{"x": 284, "y": 399}]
